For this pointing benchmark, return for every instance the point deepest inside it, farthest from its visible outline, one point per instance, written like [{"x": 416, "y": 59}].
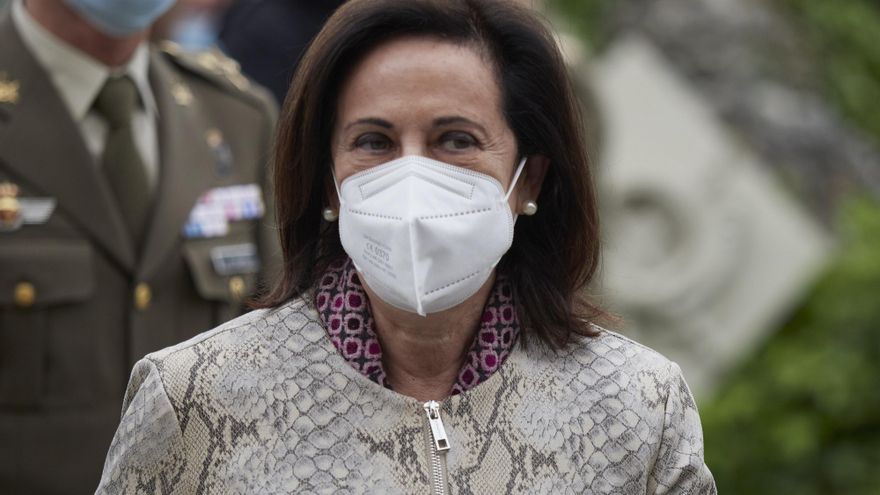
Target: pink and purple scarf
[{"x": 345, "y": 312}]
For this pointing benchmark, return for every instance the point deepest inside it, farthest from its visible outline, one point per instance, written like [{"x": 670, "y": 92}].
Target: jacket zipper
[{"x": 439, "y": 443}]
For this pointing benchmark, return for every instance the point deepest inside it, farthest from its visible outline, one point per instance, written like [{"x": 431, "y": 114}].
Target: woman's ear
[{"x": 531, "y": 180}]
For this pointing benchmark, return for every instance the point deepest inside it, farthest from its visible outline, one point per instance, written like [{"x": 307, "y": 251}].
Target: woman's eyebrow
[
  {"x": 456, "y": 119},
  {"x": 370, "y": 121}
]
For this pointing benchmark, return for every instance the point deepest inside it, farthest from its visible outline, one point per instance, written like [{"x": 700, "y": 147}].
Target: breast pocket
[
  {"x": 224, "y": 271},
  {"x": 36, "y": 276}
]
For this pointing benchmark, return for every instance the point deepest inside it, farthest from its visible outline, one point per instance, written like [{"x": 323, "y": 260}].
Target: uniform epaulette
[{"x": 215, "y": 66}]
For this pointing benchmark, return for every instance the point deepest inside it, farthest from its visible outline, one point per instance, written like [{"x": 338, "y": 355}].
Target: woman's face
[{"x": 422, "y": 96}]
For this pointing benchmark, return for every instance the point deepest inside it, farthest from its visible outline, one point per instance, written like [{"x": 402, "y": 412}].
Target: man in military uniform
[{"x": 132, "y": 216}]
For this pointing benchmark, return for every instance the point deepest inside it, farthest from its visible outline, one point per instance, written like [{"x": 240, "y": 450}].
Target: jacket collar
[
  {"x": 186, "y": 164},
  {"x": 42, "y": 146}
]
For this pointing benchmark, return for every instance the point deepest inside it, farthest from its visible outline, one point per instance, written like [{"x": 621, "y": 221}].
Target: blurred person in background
[
  {"x": 428, "y": 335},
  {"x": 268, "y": 37},
  {"x": 131, "y": 217},
  {"x": 192, "y": 24}
]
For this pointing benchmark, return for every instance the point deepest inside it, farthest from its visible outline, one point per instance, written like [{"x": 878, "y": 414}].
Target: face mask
[
  {"x": 425, "y": 235},
  {"x": 121, "y": 18},
  {"x": 196, "y": 31}
]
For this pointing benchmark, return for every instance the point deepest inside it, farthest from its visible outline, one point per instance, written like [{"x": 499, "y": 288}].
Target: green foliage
[
  {"x": 803, "y": 415},
  {"x": 584, "y": 17},
  {"x": 845, "y": 35}
]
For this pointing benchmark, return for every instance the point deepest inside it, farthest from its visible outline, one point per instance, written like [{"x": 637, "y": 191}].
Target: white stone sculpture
[{"x": 704, "y": 253}]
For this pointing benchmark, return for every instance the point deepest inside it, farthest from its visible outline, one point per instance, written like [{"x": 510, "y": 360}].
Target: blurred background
[{"x": 736, "y": 144}]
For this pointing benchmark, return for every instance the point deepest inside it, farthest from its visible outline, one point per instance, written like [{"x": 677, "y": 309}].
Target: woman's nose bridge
[{"x": 414, "y": 143}]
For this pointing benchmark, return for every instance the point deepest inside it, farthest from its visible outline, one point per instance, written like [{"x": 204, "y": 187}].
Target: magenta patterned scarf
[{"x": 342, "y": 305}]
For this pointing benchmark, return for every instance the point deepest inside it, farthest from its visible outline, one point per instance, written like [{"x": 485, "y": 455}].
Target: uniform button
[
  {"x": 25, "y": 294},
  {"x": 142, "y": 296},
  {"x": 236, "y": 288}
]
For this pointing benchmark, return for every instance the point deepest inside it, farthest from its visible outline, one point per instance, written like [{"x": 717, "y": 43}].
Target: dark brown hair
[{"x": 554, "y": 253}]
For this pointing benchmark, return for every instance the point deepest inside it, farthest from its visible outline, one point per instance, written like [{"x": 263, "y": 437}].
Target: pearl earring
[
  {"x": 529, "y": 208},
  {"x": 330, "y": 214}
]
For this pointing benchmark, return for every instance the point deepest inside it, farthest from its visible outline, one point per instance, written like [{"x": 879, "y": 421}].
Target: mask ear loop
[
  {"x": 336, "y": 185},
  {"x": 519, "y": 170}
]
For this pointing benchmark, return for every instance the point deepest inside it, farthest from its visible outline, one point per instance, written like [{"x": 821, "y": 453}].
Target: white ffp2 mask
[{"x": 425, "y": 235}]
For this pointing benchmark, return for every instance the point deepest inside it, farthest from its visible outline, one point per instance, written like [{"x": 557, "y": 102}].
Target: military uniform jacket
[{"x": 78, "y": 304}]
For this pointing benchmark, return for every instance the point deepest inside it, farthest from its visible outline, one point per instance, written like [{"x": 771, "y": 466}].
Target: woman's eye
[
  {"x": 458, "y": 141},
  {"x": 373, "y": 142}
]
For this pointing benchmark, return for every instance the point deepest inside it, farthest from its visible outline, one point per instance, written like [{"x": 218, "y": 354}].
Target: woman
[{"x": 415, "y": 344}]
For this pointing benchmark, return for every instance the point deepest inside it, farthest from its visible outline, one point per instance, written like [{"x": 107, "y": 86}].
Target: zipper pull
[{"x": 438, "y": 433}]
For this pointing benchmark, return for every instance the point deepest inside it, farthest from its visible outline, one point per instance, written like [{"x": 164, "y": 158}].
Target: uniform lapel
[
  {"x": 186, "y": 170},
  {"x": 42, "y": 146}
]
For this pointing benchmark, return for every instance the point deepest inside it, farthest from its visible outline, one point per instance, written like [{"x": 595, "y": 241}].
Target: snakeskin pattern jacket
[{"x": 266, "y": 404}]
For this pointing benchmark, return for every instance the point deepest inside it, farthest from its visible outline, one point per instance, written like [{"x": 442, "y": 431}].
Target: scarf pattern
[{"x": 345, "y": 312}]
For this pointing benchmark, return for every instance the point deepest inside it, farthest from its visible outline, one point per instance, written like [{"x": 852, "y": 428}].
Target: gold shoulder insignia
[
  {"x": 211, "y": 61},
  {"x": 170, "y": 48},
  {"x": 181, "y": 94},
  {"x": 8, "y": 89},
  {"x": 218, "y": 63}
]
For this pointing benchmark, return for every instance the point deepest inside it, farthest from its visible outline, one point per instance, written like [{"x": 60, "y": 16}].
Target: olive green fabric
[
  {"x": 65, "y": 359},
  {"x": 121, "y": 162}
]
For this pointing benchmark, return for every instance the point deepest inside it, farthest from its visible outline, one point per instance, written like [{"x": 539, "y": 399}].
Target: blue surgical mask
[
  {"x": 121, "y": 18},
  {"x": 196, "y": 30}
]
